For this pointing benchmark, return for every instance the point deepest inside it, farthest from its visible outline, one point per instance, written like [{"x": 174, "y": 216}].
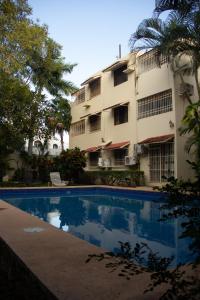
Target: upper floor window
[
  {"x": 151, "y": 60},
  {"x": 94, "y": 122},
  {"x": 80, "y": 96},
  {"x": 119, "y": 75},
  {"x": 55, "y": 146},
  {"x": 77, "y": 128},
  {"x": 95, "y": 87},
  {"x": 120, "y": 114},
  {"x": 155, "y": 104}
]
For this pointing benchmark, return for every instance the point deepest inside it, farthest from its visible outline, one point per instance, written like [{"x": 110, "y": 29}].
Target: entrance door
[{"x": 161, "y": 159}]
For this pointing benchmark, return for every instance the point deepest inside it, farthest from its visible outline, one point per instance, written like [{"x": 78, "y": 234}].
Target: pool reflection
[{"x": 105, "y": 220}]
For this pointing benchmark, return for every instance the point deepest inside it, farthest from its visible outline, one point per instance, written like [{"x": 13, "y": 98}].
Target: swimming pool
[{"x": 105, "y": 216}]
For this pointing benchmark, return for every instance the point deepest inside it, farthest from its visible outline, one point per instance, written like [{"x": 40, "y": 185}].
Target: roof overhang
[
  {"x": 120, "y": 145},
  {"x": 91, "y": 114},
  {"x": 116, "y": 65},
  {"x": 116, "y": 105},
  {"x": 158, "y": 139},
  {"x": 105, "y": 144},
  {"x": 92, "y": 149},
  {"x": 90, "y": 79},
  {"x": 77, "y": 91}
]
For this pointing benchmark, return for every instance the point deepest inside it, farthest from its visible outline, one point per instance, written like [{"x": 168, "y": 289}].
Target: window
[
  {"x": 95, "y": 87},
  {"x": 94, "y": 158},
  {"x": 77, "y": 128},
  {"x": 119, "y": 156},
  {"x": 120, "y": 76},
  {"x": 37, "y": 144},
  {"x": 120, "y": 114},
  {"x": 151, "y": 60},
  {"x": 161, "y": 158},
  {"x": 55, "y": 146},
  {"x": 80, "y": 96},
  {"x": 155, "y": 104},
  {"x": 95, "y": 122}
]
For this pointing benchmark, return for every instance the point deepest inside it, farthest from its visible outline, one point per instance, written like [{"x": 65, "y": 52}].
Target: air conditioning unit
[
  {"x": 186, "y": 88},
  {"x": 100, "y": 162},
  {"x": 130, "y": 160}
]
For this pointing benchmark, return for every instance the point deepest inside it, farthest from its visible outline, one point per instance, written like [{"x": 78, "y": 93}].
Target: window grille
[
  {"x": 80, "y": 96},
  {"x": 119, "y": 156},
  {"x": 77, "y": 128},
  {"x": 120, "y": 76},
  {"x": 151, "y": 60},
  {"x": 155, "y": 104},
  {"x": 161, "y": 158}
]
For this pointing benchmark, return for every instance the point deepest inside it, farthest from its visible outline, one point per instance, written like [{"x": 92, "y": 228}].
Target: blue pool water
[{"x": 104, "y": 216}]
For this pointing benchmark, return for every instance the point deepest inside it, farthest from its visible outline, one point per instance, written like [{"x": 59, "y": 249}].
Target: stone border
[{"x": 56, "y": 259}]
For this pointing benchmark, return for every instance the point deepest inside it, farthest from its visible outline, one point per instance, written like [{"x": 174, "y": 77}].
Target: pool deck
[
  {"x": 138, "y": 188},
  {"x": 57, "y": 260}
]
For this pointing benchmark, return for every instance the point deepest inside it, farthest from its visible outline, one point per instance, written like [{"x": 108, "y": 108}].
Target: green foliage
[
  {"x": 59, "y": 119},
  {"x": 70, "y": 164},
  {"x": 30, "y": 64},
  {"x": 117, "y": 178}
]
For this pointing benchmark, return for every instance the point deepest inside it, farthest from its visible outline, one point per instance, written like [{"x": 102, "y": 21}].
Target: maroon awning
[
  {"x": 158, "y": 139},
  {"x": 93, "y": 149},
  {"x": 120, "y": 145}
]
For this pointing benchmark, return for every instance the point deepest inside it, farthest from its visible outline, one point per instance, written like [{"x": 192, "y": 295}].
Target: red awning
[
  {"x": 93, "y": 149},
  {"x": 158, "y": 139},
  {"x": 117, "y": 146}
]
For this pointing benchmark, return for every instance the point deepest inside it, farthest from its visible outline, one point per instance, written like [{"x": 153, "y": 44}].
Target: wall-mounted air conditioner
[
  {"x": 186, "y": 88},
  {"x": 130, "y": 160}
]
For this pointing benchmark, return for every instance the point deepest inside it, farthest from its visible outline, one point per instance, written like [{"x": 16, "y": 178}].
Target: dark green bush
[
  {"x": 116, "y": 178},
  {"x": 70, "y": 164}
]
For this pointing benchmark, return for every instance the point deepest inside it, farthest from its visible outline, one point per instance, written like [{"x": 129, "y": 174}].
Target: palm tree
[
  {"x": 175, "y": 37},
  {"x": 182, "y": 6},
  {"x": 60, "y": 119},
  {"x": 46, "y": 69}
]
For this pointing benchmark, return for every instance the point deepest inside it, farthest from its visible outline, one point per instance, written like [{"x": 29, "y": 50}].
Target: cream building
[{"x": 128, "y": 115}]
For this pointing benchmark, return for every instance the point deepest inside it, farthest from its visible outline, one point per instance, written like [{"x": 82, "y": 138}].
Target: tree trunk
[
  {"x": 185, "y": 94},
  {"x": 30, "y": 146},
  {"x": 197, "y": 83},
  {"x": 61, "y": 140}
]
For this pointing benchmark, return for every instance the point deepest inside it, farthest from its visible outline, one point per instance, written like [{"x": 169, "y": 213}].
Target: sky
[{"x": 90, "y": 31}]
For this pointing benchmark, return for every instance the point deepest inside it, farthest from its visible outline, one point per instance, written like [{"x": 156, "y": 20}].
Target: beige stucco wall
[
  {"x": 138, "y": 86},
  {"x": 110, "y": 95}
]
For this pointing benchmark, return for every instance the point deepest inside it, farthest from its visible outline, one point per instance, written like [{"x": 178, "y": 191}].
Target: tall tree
[
  {"x": 60, "y": 117},
  {"x": 29, "y": 56}
]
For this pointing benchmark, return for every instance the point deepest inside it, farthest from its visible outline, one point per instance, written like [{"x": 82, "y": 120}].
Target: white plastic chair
[{"x": 56, "y": 180}]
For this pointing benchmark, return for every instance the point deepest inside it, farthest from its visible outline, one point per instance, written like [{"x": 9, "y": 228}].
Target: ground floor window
[
  {"x": 119, "y": 156},
  {"x": 93, "y": 158},
  {"x": 161, "y": 159}
]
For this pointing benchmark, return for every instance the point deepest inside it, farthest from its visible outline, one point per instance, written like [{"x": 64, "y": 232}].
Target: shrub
[{"x": 116, "y": 178}]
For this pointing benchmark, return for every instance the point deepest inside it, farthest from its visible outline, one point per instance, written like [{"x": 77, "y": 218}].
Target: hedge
[{"x": 116, "y": 178}]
